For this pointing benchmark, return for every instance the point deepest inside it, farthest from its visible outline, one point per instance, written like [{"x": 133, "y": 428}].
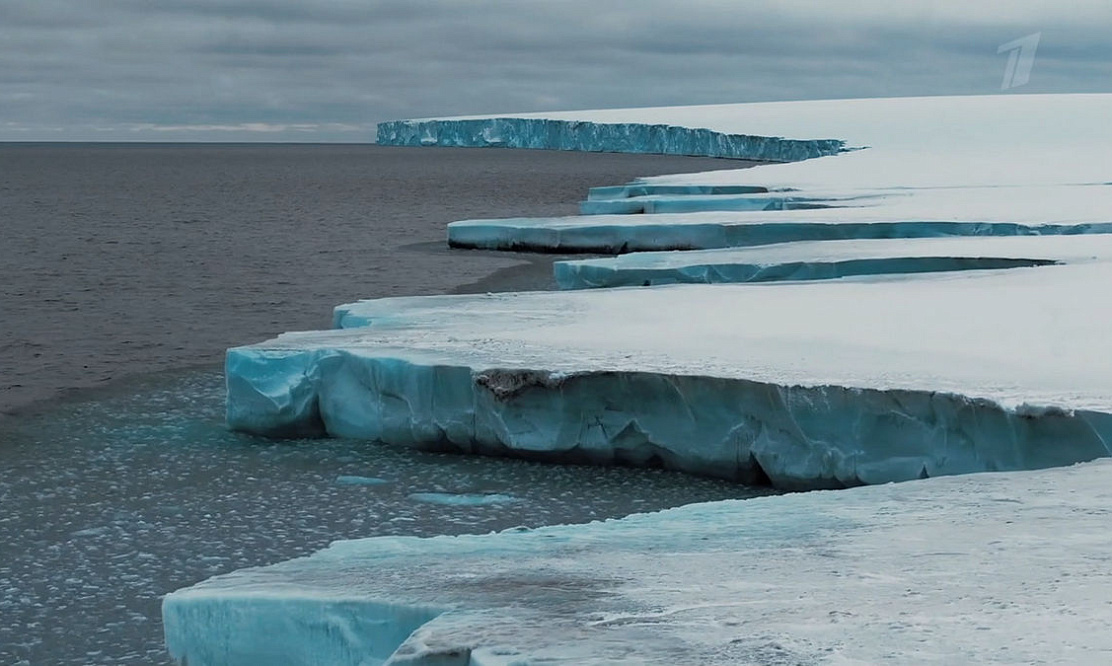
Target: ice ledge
[
  {"x": 823, "y": 260},
  {"x": 549, "y": 134},
  {"x": 804, "y": 385},
  {"x": 619, "y": 234},
  {"x": 791, "y": 437},
  {"x": 956, "y": 570}
]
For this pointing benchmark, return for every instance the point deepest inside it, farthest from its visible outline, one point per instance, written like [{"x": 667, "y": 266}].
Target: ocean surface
[{"x": 126, "y": 270}]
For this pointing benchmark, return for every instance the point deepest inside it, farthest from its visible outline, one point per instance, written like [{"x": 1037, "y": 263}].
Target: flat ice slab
[
  {"x": 585, "y": 135},
  {"x": 1049, "y": 210},
  {"x": 918, "y": 167},
  {"x": 983, "y": 569},
  {"x": 820, "y": 260},
  {"x": 964, "y": 141},
  {"x": 804, "y": 385}
]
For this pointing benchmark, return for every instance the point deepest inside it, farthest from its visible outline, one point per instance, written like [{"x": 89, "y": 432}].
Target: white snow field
[
  {"x": 824, "y": 260},
  {"x": 808, "y": 384},
  {"x": 983, "y": 569}
]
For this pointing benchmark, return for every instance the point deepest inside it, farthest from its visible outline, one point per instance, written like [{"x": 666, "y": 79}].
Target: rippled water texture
[
  {"x": 107, "y": 504},
  {"x": 119, "y": 259},
  {"x": 125, "y": 272}
]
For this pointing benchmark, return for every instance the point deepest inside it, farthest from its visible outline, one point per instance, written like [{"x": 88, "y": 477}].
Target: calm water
[{"x": 124, "y": 273}]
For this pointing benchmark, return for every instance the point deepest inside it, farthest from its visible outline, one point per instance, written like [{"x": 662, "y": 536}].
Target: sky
[{"x": 328, "y": 70}]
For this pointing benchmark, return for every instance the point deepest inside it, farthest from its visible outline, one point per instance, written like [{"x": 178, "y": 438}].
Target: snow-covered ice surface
[
  {"x": 808, "y": 384},
  {"x": 819, "y": 260},
  {"x": 619, "y": 136},
  {"x": 991, "y": 568},
  {"x": 925, "y": 166},
  {"x": 873, "y": 213},
  {"x": 992, "y": 140}
]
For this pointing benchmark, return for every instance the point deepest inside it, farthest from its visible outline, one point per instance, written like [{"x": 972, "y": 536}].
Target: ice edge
[
  {"x": 792, "y": 437},
  {"x": 586, "y": 136}
]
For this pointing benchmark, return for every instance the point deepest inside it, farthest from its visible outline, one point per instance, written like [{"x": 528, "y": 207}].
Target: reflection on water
[{"x": 109, "y": 503}]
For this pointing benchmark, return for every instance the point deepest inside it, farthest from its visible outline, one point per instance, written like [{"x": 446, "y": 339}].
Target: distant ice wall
[{"x": 541, "y": 133}]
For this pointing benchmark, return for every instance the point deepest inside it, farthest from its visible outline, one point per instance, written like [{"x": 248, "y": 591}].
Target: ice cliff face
[
  {"x": 641, "y": 217},
  {"x": 589, "y": 136},
  {"x": 790, "y": 436},
  {"x": 618, "y": 234},
  {"x": 816, "y": 385}
]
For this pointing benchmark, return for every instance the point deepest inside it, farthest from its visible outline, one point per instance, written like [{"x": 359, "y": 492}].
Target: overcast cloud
[{"x": 328, "y": 70}]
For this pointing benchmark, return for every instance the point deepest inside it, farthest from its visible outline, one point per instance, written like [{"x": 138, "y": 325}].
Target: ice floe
[
  {"x": 806, "y": 384},
  {"x": 821, "y": 260},
  {"x": 993, "y": 568}
]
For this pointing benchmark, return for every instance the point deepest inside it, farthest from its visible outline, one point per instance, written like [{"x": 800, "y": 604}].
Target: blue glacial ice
[
  {"x": 806, "y": 385},
  {"x": 822, "y": 260},
  {"x": 911, "y": 142},
  {"x": 551, "y": 134},
  {"x": 285, "y": 627},
  {"x": 642, "y": 189},
  {"x": 690, "y": 203},
  {"x": 616, "y": 234},
  {"x": 761, "y": 581}
]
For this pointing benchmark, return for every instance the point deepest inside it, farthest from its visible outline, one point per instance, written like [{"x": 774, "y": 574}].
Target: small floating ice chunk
[
  {"x": 91, "y": 532},
  {"x": 347, "y": 480},
  {"x": 464, "y": 499}
]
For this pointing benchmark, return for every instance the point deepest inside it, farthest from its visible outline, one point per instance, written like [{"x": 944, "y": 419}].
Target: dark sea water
[{"x": 125, "y": 270}]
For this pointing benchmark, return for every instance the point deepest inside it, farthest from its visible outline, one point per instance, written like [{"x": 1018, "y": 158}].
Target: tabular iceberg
[
  {"x": 803, "y": 385},
  {"x": 689, "y": 203},
  {"x": 633, "y": 190},
  {"x": 826, "y": 260},
  {"x": 917, "y": 213},
  {"x": 915, "y": 142},
  {"x": 914, "y": 174},
  {"x": 636, "y": 137},
  {"x": 954, "y": 570}
]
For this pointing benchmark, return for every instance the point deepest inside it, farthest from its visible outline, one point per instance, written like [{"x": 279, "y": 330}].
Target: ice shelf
[
  {"x": 688, "y": 203},
  {"x": 916, "y": 213},
  {"x": 821, "y": 260},
  {"x": 991, "y": 140},
  {"x": 613, "y": 192},
  {"x": 620, "y": 137},
  {"x": 803, "y": 385},
  {"x": 991, "y": 568},
  {"x": 925, "y": 166}
]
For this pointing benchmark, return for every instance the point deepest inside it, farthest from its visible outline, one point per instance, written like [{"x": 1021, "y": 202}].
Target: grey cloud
[{"x": 329, "y": 69}]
